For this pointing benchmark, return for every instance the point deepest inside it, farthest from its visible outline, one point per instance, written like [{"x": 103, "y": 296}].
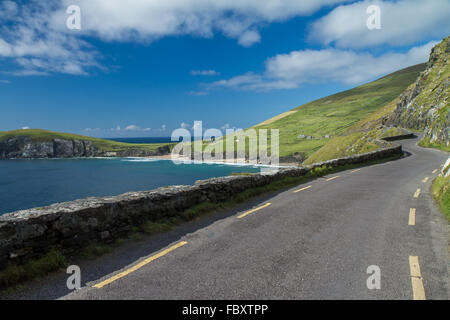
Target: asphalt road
[{"x": 313, "y": 244}]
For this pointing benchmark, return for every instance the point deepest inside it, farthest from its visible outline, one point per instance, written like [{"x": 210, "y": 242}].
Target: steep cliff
[
  {"x": 424, "y": 106},
  {"x": 47, "y": 144}
]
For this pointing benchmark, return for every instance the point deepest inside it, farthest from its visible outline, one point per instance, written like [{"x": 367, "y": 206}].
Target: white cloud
[
  {"x": 197, "y": 93},
  {"x": 25, "y": 128},
  {"x": 129, "y": 128},
  {"x": 5, "y": 81},
  {"x": 249, "y": 38},
  {"x": 287, "y": 71},
  {"x": 5, "y": 48},
  {"x": 149, "y": 20},
  {"x": 29, "y": 39},
  {"x": 403, "y": 22},
  {"x": 204, "y": 73},
  {"x": 132, "y": 127},
  {"x": 34, "y": 35},
  {"x": 163, "y": 127},
  {"x": 254, "y": 82}
]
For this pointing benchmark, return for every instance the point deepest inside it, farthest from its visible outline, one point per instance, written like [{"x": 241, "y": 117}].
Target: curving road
[{"x": 316, "y": 243}]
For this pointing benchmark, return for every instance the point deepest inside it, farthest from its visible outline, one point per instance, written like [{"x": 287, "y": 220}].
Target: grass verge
[
  {"x": 14, "y": 274},
  {"x": 425, "y": 142},
  {"x": 441, "y": 193}
]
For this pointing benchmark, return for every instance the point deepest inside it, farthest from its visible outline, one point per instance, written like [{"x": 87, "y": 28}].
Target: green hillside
[
  {"x": 363, "y": 136},
  {"x": 333, "y": 115}
]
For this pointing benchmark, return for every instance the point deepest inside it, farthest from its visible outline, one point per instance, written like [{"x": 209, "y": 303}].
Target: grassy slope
[
  {"x": 334, "y": 115},
  {"x": 337, "y": 115},
  {"x": 359, "y": 138},
  {"x": 39, "y": 135},
  {"x": 441, "y": 192}
]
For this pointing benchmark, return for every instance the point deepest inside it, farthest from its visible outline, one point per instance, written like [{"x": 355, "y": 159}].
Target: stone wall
[{"x": 72, "y": 225}]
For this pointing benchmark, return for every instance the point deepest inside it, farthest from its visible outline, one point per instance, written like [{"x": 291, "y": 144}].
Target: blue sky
[{"x": 139, "y": 69}]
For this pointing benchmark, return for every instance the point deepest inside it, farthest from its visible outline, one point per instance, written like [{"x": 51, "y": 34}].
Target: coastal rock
[
  {"x": 295, "y": 158},
  {"x": 425, "y": 105},
  {"x": 78, "y": 148},
  {"x": 63, "y": 148},
  {"x": 22, "y": 147}
]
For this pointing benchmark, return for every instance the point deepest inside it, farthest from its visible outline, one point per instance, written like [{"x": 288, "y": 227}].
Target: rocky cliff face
[
  {"x": 424, "y": 105},
  {"x": 26, "y": 148}
]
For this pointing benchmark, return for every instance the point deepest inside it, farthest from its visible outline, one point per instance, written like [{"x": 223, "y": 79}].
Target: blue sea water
[{"x": 35, "y": 183}]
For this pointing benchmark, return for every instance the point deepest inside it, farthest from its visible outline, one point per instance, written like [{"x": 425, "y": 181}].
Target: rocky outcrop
[
  {"x": 295, "y": 158},
  {"x": 424, "y": 105},
  {"x": 23, "y": 147},
  {"x": 72, "y": 225}
]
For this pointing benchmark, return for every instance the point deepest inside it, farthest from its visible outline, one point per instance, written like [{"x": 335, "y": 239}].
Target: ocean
[{"x": 40, "y": 182}]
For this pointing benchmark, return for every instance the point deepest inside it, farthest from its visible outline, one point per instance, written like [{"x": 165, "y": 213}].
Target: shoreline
[
  {"x": 237, "y": 162},
  {"x": 180, "y": 160}
]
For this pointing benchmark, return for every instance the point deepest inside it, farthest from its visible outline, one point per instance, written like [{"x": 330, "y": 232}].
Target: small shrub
[
  {"x": 196, "y": 211},
  {"x": 94, "y": 250},
  {"x": 14, "y": 273},
  {"x": 150, "y": 227}
]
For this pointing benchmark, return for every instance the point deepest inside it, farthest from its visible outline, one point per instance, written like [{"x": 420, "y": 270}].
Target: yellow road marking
[
  {"x": 416, "y": 279},
  {"x": 355, "y": 170},
  {"x": 139, "y": 265},
  {"x": 333, "y": 178},
  {"x": 434, "y": 171},
  {"x": 425, "y": 180},
  {"x": 302, "y": 189},
  {"x": 251, "y": 211},
  {"x": 417, "y": 193},
  {"x": 412, "y": 217}
]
